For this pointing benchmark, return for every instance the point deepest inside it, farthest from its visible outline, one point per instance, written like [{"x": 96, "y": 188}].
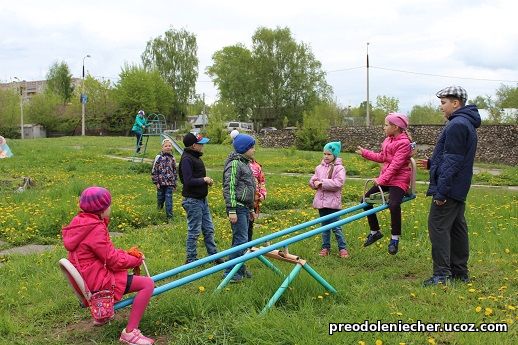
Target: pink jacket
[
  {"x": 395, "y": 155},
  {"x": 260, "y": 184},
  {"x": 100, "y": 264},
  {"x": 329, "y": 195}
]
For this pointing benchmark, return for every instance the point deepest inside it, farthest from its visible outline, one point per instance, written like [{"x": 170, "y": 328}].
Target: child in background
[
  {"x": 260, "y": 194},
  {"x": 164, "y": 176},
  {"x": 328, "y": 181},
  {"x": 138, "y": 128},
  {"x": 239, "y": 194},
  {"x": 395, "y": 175},
  {"x": 102, "y": 266}
]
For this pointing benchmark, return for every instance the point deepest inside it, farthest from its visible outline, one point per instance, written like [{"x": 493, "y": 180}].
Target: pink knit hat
[
  {"x": 398, "y": 119},
  {"x": 95, "y": 200}
]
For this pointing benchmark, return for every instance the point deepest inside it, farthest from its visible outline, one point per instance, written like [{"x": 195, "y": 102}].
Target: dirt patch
[{"x": 86, "y": 326}]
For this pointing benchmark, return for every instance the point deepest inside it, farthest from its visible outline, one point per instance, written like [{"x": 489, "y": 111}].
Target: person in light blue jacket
[{"x": 138, "y": 128}]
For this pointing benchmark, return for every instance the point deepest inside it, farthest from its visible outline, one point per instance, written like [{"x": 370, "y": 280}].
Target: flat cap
[{"x": 453, "y": 91}]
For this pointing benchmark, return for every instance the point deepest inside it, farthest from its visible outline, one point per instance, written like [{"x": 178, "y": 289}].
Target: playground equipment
[
  {"x": 270, "y": 250},
  {"x": 260, "y": 251},
  {"x": 382, "y": 197},
  {"x": 156, "y": 126}
]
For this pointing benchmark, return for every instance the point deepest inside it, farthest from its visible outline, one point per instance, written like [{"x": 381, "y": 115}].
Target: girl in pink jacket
[
  {"x": 396, "y": 151},
  {"x": 101, "y": 265},
  {"x": 328, "y": 181}
]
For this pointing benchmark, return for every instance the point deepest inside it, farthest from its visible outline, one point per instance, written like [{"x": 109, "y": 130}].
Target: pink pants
[{"x": 143, "y": 286}]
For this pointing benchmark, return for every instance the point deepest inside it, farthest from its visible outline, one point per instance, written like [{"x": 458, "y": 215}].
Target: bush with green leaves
[{"x": 313, "y": 134}]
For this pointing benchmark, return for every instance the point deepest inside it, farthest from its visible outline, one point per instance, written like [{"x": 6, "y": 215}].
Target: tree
[
  {"x": 278, "y": 77},
  {"x": 425, "y": 115},
  {"x": 101, "y": 104},
  {"x": 174, "y": 57},
  {"x": 59, "y": 81},
  {"x": 234, "y": 77},
  {"x": 481, "y": 102},
  {"x": 288, "y": 78},
  {"x": 9, "y": 108},
  {"x": 313, "y": 134},
  {"x": 139, "y": 88},
  {"x": 384, "y": 105}
]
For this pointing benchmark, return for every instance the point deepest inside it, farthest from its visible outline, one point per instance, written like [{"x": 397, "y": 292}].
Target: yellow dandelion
[
  {"x": 431, "y": 341},
  {"x": 413, "y": 295},
  {"x": 478, "y": 309},
  {"x": 320, "y": 297},
  {"x": 399, "y": 313},
  {"x": 211, "y": 336},
  {"x": 472, "y": 290},
  {"x": 488, "y": 312},
  {"x": 361, "y": 342},
  {"x": 510, "y": 307},
  {"x": 507, "y": 251},
  {"x": 402, "y": 343},
  {"x": 379, "y": 342},
  {"x": 201, "y": 288}
]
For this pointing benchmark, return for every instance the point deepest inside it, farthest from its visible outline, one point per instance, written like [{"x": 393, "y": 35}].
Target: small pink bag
[{"x": 101, "y": 305}]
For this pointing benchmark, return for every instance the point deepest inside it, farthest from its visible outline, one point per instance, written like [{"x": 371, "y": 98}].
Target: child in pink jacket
[
  {"x": 101, "y": 265},
  {"x": 328, "y": 181},
  {"x": 396, "y": 151}
]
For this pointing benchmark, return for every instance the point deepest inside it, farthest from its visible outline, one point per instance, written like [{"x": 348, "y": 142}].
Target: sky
[{"x": 415, "y": 47}]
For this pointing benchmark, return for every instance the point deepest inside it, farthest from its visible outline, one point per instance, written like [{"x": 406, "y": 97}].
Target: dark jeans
[
  {"x": 326, "y": 235},
  {"x": 165, "y": 195},
  {"x": 139, "y": 140},
  {"x": 239, "y": 236},
  {"x": 198, "y": 220},
  {"x": 448, "y": 233},
  {"x": 396, "y": 195}
]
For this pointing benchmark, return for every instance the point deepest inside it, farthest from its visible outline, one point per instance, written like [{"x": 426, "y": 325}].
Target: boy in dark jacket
[
  {"x": 239, "y": 193},
  {"x": 451, "y": 170},
  {"x": 195, "y": 190},
  {"x": 164, "y": 177}
]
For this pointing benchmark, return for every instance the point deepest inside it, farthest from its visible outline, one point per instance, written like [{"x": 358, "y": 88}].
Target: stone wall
[{"x": 496, "y": 143}]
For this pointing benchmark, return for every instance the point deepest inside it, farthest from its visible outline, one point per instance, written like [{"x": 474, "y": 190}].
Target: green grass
[{"x": 38, "y": 307}]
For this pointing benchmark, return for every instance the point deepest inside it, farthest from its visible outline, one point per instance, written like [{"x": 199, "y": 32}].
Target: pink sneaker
[
  {"x": 135, "y": 338},
  {"x": 344, "y": 254},
  {"x": 324, "y": 252}
]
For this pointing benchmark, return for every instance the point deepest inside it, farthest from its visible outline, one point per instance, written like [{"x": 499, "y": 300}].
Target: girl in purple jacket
[
  {"x": 328, "y": 181},
  {"x": 396, "y": 151}
]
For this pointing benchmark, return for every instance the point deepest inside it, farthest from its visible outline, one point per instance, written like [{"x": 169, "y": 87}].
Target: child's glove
[{"x": 134, "y": 251}]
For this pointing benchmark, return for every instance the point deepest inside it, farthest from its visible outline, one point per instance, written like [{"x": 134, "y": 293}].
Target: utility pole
[
  {"x": 368, "y": 122},
  {"x": 83, "y": 98},
  {"x": 22, "y": 135}
]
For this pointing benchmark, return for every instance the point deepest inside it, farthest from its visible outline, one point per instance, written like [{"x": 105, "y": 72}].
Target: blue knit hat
[
  {"x": 334, "y": 147},
  {"x": 243, "y": 143}
]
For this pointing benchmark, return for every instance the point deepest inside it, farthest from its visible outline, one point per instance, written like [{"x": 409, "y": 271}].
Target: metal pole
[
  {"x": 285, "y": 284},
  {"x": 255, "y": 242},
  {"x": 21, "y": 113},
  {"x": 367, "y": 106},
  {"x": 82, "y": 98},
  {"x": 21, "y": 106}
]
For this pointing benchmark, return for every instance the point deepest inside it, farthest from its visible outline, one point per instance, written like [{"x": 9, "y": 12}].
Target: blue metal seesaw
[{"x": 271, "y": 250}]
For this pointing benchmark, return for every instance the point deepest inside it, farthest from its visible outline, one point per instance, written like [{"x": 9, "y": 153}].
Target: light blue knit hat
[{"x": 334, "y": 147}]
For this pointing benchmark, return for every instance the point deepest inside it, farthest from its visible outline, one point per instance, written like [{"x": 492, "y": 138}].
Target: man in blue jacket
[{"x": 451, "y": 170}]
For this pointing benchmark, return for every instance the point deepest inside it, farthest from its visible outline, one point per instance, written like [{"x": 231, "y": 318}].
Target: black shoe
[
  {"x": 436, "y": 280},
  {"x": 218, "y": 261},
  {"x": 462, "y": 277},
  {"x": 188, "y": 261},
  {"x": 372, "y": 238},
  {"x": 393, "y": 247}
]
